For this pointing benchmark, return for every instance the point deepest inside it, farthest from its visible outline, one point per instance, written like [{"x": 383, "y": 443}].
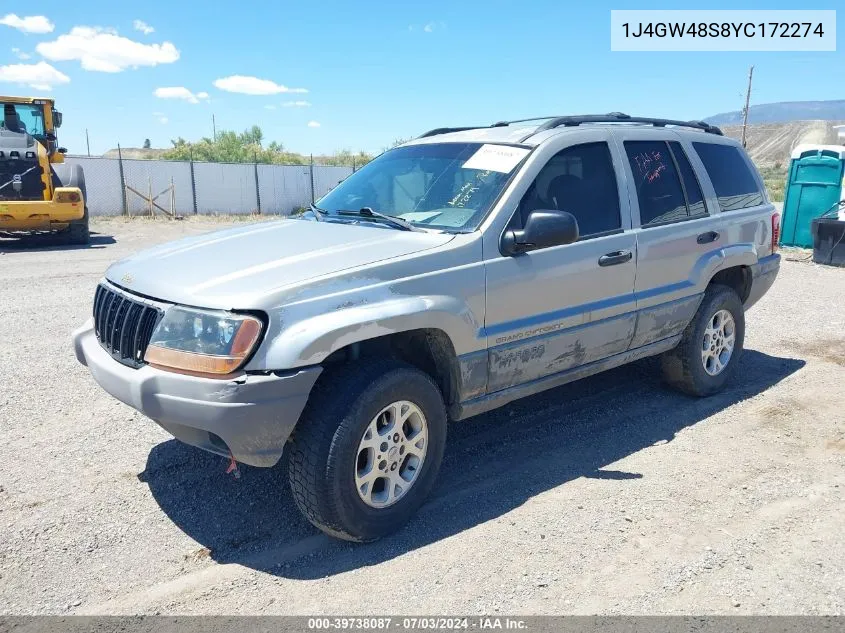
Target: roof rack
[
  {"x": 621, "y": 117},
  {"x": 447, "y": 130},
  {"x": 575, "y": 120}
]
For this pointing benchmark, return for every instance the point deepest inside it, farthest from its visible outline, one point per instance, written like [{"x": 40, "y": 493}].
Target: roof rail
[
  {"x": 620, "y": 117},
  {"x": 446, "y": 130},
  {"x": 574, "y": 120}
]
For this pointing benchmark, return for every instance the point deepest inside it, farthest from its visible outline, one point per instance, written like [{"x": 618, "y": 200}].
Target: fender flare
[{"x": 311, "y": 340}]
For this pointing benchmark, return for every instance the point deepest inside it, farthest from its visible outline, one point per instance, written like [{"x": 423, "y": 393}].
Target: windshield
[
  {"x": 447, "y": 186},
  {"x": 23, "y": 117}
]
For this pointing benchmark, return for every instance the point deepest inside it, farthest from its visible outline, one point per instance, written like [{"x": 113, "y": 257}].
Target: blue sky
[{"x": 373, "y": 71}]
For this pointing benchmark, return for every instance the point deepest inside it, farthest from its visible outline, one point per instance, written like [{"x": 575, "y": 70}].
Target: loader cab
[{"x": 36, "y": 117}]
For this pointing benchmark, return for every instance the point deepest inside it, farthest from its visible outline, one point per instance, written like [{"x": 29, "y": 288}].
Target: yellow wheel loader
[{"x": 39, "y": 192}]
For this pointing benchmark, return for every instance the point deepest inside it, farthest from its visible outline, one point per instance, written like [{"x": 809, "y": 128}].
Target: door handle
[
  {"x": 706, "y": 238},
  {"x": 616, "y": 257}
]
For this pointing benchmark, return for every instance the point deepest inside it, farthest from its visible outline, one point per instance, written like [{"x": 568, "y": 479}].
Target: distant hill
[
  {"x": 770, "y": 144},
  {"x": 784, "y": 112}
]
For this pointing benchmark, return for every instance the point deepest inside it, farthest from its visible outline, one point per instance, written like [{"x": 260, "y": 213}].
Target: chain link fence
[{"x": 118, "y": 186}]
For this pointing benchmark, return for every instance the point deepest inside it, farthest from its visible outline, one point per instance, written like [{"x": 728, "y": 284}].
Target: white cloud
[
  {"x": 429, "y": 27},
  {"x": 41, "y": 76},
  {"x": 20, "y": 54},
  {"x": 29, "y": 24},
  {"x": 253, "y": 86},
  {"x": 313, "y": 124},
  {"x": 140, "y": 25},
  {"x": 269, "y": 107},
  {"x": 161, "y": 117},
  {"x": 296, "y": 104},
  {"x": 180, "y": 92},
  {"x": 105, "y": 51}
]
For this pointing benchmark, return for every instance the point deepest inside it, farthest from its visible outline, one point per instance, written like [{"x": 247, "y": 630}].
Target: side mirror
[
  {"x": 543, "y": 228},
  {"x": 57, "y": 118}
]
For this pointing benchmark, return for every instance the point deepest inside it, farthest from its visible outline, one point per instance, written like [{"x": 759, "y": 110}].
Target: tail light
[
  {"x": 67, "y": 196},
  {"x": 775, "y": 231}
]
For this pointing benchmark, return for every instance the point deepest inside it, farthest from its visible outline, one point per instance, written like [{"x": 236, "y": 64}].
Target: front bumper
[
  {"x": 250, "y": 416},
  {"x": 763, "y": 275},
  {"x": 38, "y": 215}
]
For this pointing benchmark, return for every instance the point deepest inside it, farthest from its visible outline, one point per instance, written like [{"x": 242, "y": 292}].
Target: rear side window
[
  {"x": 695, "y": 199},
  {"x": 658, "y": 186},
  {"x": 735, "y": 185}
]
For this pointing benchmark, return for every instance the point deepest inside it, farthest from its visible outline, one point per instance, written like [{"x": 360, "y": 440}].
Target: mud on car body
[{"x": 449, "y": 276}]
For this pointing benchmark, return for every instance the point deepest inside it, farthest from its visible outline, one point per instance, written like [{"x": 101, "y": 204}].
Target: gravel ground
[{"x": 612, "y": 495}]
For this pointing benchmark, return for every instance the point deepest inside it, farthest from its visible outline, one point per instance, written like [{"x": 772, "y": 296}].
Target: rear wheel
[
  {"x": 73, "y": 176},
  {"x": 367, "y": 449},
  {"x": 711, "y": 345},
  {"x": 77, "y": 232}
]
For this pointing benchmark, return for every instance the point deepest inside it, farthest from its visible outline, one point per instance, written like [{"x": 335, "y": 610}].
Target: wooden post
[
  {"x": 122, "y": 181},
  {"x": 747, "y": 100}
]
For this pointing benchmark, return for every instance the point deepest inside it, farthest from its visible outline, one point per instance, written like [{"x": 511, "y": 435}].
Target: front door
[{"x": 554, "y": 309}]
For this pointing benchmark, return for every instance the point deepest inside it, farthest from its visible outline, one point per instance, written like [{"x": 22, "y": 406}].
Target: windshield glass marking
[{"x": 501, "y": 158}]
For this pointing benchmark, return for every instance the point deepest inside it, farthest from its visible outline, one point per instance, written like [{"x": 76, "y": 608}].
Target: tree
[
  {"x": 147, "y": 143},
  {"x": 248, "y": 147}
]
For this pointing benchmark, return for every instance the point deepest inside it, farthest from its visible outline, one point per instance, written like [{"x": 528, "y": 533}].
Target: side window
[
  {"x": 580, "y": 180},
  {"x": 735, "y": 185},
  {"x": 658, "y": 187},
  {"x": 695, "y": 199}
]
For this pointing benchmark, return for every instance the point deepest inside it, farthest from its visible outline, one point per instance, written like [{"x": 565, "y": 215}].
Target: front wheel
[
  {"x": 366, "y": 452},
  {"x": 711, "y": 345}
]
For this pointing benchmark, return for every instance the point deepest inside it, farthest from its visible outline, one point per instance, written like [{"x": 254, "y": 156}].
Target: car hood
[{"x": 235, "y": 268}]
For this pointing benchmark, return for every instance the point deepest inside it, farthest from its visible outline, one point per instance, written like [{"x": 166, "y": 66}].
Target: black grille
[{"x": 123, "y": 326}]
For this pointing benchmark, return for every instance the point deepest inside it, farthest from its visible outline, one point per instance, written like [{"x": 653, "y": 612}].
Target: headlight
[{"x": 203, "y": 341}]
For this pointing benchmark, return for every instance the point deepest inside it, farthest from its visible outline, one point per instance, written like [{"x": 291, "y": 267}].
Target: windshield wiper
[
  {"x": 317, "y": 211},
  {"x": 367, "y": 212}
]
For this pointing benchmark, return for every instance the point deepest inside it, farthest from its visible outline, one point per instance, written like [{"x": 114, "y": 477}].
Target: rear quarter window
[{"x": 735, "y": 184}]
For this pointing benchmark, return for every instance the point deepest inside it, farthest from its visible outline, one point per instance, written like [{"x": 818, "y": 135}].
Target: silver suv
[{"x": 449, "y": 276}]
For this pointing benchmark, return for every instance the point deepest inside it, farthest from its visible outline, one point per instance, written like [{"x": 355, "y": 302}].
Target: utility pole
[
  {"x": 747, "y": 100},
  {"x": 87, "y": 143},
  {"x": 214, "y": 127}
]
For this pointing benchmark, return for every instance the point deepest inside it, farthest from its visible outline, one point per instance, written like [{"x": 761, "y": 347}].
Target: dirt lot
[{"x": 612, "y": 495}]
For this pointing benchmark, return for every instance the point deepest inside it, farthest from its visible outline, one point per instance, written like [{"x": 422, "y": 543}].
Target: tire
[
  {"x": 73, "y": 176},
  {"x": 326, "y": 457},
  {"x": 685, "y": 367}
]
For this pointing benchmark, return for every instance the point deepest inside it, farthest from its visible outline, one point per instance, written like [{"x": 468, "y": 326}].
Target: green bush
[{"x": 248, "y": 147}]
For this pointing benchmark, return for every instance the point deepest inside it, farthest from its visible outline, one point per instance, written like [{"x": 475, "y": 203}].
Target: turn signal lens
[
  {"x": 68, "y": 196},
  {"x": 204, "y": 342}
]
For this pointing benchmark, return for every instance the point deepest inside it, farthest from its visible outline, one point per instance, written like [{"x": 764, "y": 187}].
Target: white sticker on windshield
[{"x": 501, "y": 158}]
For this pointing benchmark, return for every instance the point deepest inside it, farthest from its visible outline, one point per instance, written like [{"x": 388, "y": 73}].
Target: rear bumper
[
  {"x": 250, "y": 416},
  {"x": 763, "y": 275},
  {"x": 37, "y": 215}
]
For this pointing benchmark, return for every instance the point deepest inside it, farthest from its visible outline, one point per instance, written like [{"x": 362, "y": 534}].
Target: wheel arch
[
  {"x": 737, "y": 277},
  {"x": 428, "y": 349}
]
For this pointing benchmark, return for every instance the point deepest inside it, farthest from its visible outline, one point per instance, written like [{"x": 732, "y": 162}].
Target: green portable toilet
[{"x": 813, "y": 185}]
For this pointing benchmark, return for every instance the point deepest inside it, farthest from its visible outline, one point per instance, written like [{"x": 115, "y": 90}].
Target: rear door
[{"x": 673, "y": 228}]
